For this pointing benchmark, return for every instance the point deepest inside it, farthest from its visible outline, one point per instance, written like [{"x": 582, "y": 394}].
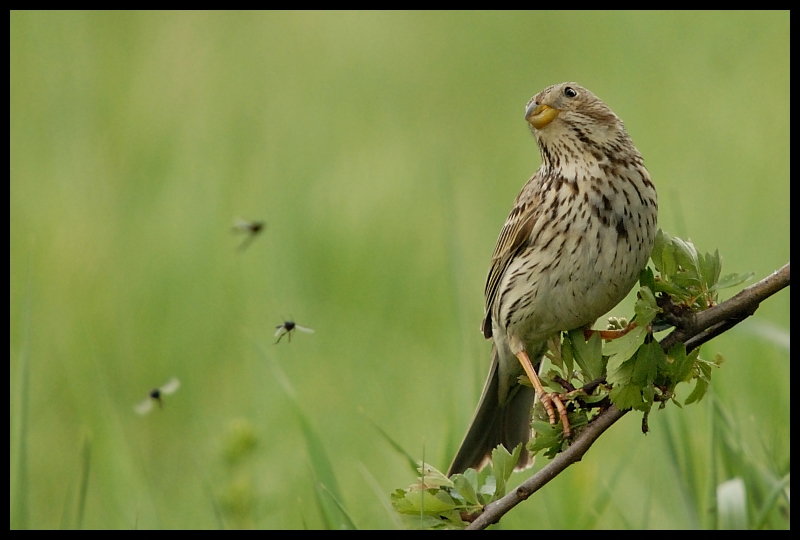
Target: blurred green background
[{"x": 384, "y": 151}]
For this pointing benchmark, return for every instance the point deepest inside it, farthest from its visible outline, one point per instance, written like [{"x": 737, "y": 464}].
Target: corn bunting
[{"x": 579, "y": 233}]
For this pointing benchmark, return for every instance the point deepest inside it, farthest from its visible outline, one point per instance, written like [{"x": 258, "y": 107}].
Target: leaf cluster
[
  {"x": 438, "y": 502},
  {"x": 689, "y": 279},
  {"x": 634, "y": 371}
]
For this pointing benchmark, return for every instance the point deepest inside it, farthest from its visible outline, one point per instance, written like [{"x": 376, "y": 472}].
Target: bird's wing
[{"x": 514, "y": 236}]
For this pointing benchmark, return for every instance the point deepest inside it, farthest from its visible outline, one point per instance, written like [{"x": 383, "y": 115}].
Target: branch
[
  {"x": 494, "y": 511},
  {"x": 702, "y": 327},
  {"x": 710, "y": 323}
]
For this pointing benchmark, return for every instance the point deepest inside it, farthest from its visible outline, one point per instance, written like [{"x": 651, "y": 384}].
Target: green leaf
[
  {"x": 414, "y": 521},
  {"x": 699, "y": 391},
  {"x": 710, "y": 267},
  {"x": 679, "y": 365},
  {"x": 400, "y": 503},
  {"x": 576, "y": 419},
  {"x": 488, "y": 484},
  {"x": 626, "y": 396},
  {"x": 648, "y": 395},
  {"x": 671, "y": 289},
  {"x": 546, "y": 436},
  {"x": 425, "y": 501},
  {"x": 567, "y": 355},
  {"x": 676, "y": 360},
  {"x": 731, "y": 280},
  {"x": 598, "y": 396},
  {"x": 703, "y": 376},
  {"x": 620, "y": 375},
  {"x": 556, "y": 360},
  {"x": 688, "y": 279},
  {"x": 657, "y": 256},
  {"x": 621, "y": 349},
  {"x": 432, "y": 476},
  {"x": 452, "y": 520},
  {"x": 472, "y": 477},
  {"x": 445, "y": 498},
  {"x": 588, "y": 354},
  {"x": 595, "y": 364},
  {"x": 465, "y": 488},
  {"x": 503, "y": 464},
  {"x": 686, "y": 256},
  {"x": 669, "y": 266},
  {"x": 648, "y": 359},
  {"x": 646, "y": 295},
  {"x": 548, "y": 381},
  {"x": 647, "y": 279},
  {"x": 645, "y": 307}
]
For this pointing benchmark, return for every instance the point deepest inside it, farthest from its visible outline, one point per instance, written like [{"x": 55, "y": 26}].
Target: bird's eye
[{"x": 570, "y": 92}]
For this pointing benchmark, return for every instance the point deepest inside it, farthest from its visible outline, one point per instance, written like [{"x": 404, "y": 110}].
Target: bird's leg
[
  {"x": 548, "y": 400},
  {"x": 608, "y": 335}
]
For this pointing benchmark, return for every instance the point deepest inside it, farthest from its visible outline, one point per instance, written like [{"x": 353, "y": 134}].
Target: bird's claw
[{"x": 548, "y": 401}]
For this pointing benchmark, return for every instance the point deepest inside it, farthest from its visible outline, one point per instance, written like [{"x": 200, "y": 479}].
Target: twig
[
  {"x": 704, "y": 326},
  {"x": 494, "y": 511},
  {"x": 728, "y": 313}
]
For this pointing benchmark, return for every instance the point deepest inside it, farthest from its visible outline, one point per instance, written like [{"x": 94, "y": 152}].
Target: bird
[
  {"x": 578, "y": 235},
  {"x": 170, "y": 387},
  {"x": 287, "y": 328}
]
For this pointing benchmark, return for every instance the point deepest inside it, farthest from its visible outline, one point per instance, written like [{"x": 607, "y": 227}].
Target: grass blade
[
  {"x": 732, "y": 505},
  {"x": 19, "y": 516},
  {"x": 771, "y": 501},
  {"x": 394, "y": 444},
  {"x": 381, "y": 496},
  {"x": 322, "y": 469},
  {"x": 83, "y": 487},
  {"x": 350, "y": 524},
  {"x": 211, "y": 497},
  {"x": 684, "y": 475}
]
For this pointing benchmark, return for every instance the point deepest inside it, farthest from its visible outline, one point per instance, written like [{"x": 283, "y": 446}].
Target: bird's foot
[
  {"x": 551, "y": 401},
  {"x": 554, "y": 399}
]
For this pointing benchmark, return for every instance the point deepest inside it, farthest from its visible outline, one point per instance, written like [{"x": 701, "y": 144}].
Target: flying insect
[
  {"x": 155, "y": 395},
  {"x": 287, "y": 328}
]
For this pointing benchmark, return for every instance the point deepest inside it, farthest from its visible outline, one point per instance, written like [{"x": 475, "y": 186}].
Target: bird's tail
[{"x": 494, "y": 423}]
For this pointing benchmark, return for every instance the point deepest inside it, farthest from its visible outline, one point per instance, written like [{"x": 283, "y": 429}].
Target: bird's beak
[{"x": 540, "y": 115}]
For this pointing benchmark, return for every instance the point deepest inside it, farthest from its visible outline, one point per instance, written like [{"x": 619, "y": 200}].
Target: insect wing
[
  {"x": 250, "y": 227},
  {"x": 241, "y": 225},
  {"x": 304, "y": 329},
  {"x": 170, "y": 387},
  {"x": 144, "y": 407}
]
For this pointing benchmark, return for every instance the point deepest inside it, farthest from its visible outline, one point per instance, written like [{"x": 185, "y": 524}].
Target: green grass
[
  {"x": 19, "y": 478},
  {"x": 384, "y": 151}
]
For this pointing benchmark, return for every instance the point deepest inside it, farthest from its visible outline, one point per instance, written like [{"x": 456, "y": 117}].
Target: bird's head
[{"x": 571, "y": 122}]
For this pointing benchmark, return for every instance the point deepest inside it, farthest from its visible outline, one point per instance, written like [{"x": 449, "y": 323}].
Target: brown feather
[{"x": 514, "y": 237}]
